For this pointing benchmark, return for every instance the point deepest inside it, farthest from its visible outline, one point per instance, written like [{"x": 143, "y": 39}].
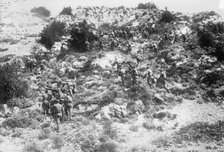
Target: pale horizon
[{"x": 185, "y": 6}]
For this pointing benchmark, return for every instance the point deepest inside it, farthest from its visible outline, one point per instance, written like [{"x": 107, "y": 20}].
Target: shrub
[
  {"x": 203, "y": 16},
  {"x": 44, "y": 134},
  {"x": 32, "y": 147},
  {"x": 66, "y": 11},
  {"x": 107, "y": 147},
  {"x": 206, "y": 39},
  {"x": 58, "y": 142},
  {"x": 41, "y": 11},
  {"x": 82, "y": 37},
  {"x": 146, "y": 6},
  {"x": 201, "y": 132},
  {"x": 219, "y": 51},
  {"x": 109, "y": 130},
  {"x": 18, "y": 121},
  {"x": 88, "y": 144},
  {"x": 167, "y": 17},
  {"x": 21, "y": 102},
  {"x": 134, "y": 128},
  {"x": 215, "y": 27},
  {"x": 12, "y": 85},
  {"x": 52, "y": 33},
  {"x": 45, "y": 125}
]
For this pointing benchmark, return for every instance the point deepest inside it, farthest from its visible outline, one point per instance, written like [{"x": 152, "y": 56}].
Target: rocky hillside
[{"x": 80, "y": 48}]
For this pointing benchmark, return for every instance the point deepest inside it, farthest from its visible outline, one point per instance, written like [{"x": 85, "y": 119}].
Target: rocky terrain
[{"x": 107, "y": 116}]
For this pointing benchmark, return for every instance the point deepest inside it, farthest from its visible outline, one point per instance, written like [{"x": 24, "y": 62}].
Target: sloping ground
[{"x": 144, "y": 119}]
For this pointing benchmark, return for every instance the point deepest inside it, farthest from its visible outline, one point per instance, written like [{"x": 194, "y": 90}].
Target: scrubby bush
[
  {"x": 41, "y": 11},
  {"x": 82, "y": 37},
  {"x": 219, "y": 51},
  {"x": 216, "y": 28},
  {"x": 107, "y": 147},
  {"x": 52, "y": 33},
  {"x": 201, "y": 132},
  {"x": 203, "y": 16},
  {"x": 66, "y": 11},
  {"x": 146, "y": 6},
  {"x": 44, "y": 134},
  {"x": 88, "y": 144},
  {"x": 32, "y": 147},
  {"x": 109, "y": 130},
  {"x": 12, "y": 85},
  {"x": 206, "y": 39},
  {"x": 167, "y": 17},
  {"x": 19, "y": 121},
  {"x": 58, "y": 142},
  {"x": 21, "y": 102}
]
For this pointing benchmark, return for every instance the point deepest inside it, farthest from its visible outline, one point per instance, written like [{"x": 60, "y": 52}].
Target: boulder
[
  {"x": 158, "y": 99},
  {"x": 106, "y": 74},
  {"x": 118, "y": 111},
  {"x": 119, "y": 101},
  {"x": 136, "y": 107},
  {"x": 77, "y": 64}
]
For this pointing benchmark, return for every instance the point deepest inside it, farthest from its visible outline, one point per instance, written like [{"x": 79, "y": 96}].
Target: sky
[{"x": 187, "y": 6}]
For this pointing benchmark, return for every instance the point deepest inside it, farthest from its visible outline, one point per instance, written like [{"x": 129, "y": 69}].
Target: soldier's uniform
[
  {"x": 57, "y": 112},
  {"x": 68, "y": 104},
  {"x": 45, "y": 106},
  {"x": 150, "y": 78}
]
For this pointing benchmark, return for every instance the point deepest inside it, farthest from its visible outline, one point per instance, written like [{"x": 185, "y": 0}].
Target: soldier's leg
[
  {"x": 70, "y": 113},
  {"x": 56, "y": 119},
  {"x": 148, "y": 81},
  {"x": 122, "y": 79}
]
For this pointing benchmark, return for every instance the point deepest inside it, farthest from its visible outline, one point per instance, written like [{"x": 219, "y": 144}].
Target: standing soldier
[
  {"x": 118, "y": 68},
  {"x": 150, "y": 78},
  {"x": 45, "y": 105},
  {"x": 175, "y": 37},
  {"x": 57, "y": 112},
  {"x": 134, "y": 74},
  {"x": 68, "y": 105},
  {"x": 184, "y": 38},
  {"x": 162, "y": 80}
]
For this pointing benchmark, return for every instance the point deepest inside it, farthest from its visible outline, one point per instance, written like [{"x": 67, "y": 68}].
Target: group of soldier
[
  {"x": 128, "y": 73},
  {"x": 57, "y": 101}
]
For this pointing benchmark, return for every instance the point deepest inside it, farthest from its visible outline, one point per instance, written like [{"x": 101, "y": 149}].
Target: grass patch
[
  {"x": 58, "y": 142},
  {"x": 108, "y": 130},
  {"x": 202, "y": 132},
  {"x": 107, "y": 147},
  {"x": 32, "y": 147}
]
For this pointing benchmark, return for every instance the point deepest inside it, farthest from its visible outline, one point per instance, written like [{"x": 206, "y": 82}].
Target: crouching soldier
[{"x": 57, "y": 112}]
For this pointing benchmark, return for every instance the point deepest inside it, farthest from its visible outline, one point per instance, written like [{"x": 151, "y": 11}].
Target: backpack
[{"x": 56, "y": 109}]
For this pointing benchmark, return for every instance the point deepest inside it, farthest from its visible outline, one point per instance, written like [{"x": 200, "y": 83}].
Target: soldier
[
  {"x": 184, "y": 38},
  {"x": 150, "y": 78},
  {"x": 112, "y": 45},
  {"x": 43, "y": 65},
  {"x": 134, "y": 74},
  {"x": 175, "y": 37},
  {"x": 45, "y": 105},
  {"x": 153, "y": 27},
  {"x": 68, "y": 105},
  {"x": 162, "y": 80},
  {"x": 118, "y": 66},
  {"x": 71, "y": 88},
  {"x": 57, "y": 112}
]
